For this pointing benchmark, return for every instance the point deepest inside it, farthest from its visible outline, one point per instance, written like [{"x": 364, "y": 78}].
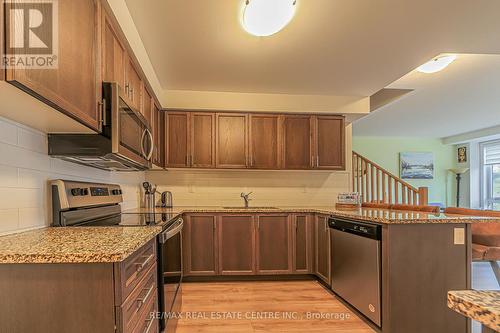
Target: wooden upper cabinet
[
  {"x": 113, "y": 53},
  {"x": 265, "y": 143},
  {"x": 75, "y": 86},
  {"x": 133, "y": 84},
  {"x": 297, "y": 142},
  {"x": 273, "y": 245},
  {"x": 232, "y": 142},
  {"x": 176, "y": 139},
  {"x": 202, "y": 140},
  {"x": 236, "y": 245},
  {"x": 201, "y": 243},
  {"x": 147, "y": 105},
  {"x": 330, "y": 142}
]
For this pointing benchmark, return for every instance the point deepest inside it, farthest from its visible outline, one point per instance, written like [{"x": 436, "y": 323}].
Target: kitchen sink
[{"x": 240, "y": 207}]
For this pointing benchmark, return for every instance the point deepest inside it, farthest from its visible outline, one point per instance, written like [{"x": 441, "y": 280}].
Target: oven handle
[{"x": 169, "y": 233}]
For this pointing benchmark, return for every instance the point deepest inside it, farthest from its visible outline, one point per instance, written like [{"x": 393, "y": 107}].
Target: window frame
[{"x": 486, "y": 184}]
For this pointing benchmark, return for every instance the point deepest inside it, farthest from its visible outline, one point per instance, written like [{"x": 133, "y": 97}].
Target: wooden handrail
[{"x": 377, "y": 185}]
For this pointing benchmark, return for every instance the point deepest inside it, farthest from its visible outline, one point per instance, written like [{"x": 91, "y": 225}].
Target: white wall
[{"x": 25, "y": 169}]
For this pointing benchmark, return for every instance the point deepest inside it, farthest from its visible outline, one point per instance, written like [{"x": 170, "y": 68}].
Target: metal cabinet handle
[
  {"x": 141, "y": 265},
  {"x": 317, "y": 161},
  {"x": 149, "y": 323},
  {"x": 143, "y": 299}
]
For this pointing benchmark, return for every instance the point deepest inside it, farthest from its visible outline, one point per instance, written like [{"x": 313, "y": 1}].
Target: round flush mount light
[
  {"x": 437, "y": 64},
  {"x": 267, "y": 17}
]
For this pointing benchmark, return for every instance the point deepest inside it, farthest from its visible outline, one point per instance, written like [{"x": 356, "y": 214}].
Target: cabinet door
[
  {"x": 147, "y": 105},
  {"x": 74, "y": 87},
  {"x": 302, "y": 248},
  {"x": 264, "y": 142},
  {"x": 232, "y": 148},
  {"x": 200, "y": 250},
  {"x": 297, "y": 142},
  {"x": 158, "y": 135},
  {"x": 133, "y": 85},
  {"x": 202, "y": 140},
  {"x": 273, "y": 245},
  {"x": 330, "y": 146},
  {"x": 236, "y": 245},
  {"x": 322, "y": 233},
  {"x": 113, "y": 54},
  {"x": 176, "y": 139}
]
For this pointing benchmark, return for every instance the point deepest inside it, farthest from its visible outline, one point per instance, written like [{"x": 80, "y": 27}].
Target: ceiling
[
  {"x": 462, "y": 98},
  {"x": 331, "y": 47}
]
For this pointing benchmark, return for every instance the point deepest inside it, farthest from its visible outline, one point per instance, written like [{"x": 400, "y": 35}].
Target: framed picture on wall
[
  {"x": 462, "y": 154},
  {"x": 416, "y": 165}
]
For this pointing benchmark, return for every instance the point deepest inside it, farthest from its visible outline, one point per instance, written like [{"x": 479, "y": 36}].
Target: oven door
[
  {"x": 170, "y": 274},
  {"x": 130, "y": 133}
]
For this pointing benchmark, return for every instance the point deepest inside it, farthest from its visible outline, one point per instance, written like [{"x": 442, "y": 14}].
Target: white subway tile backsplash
[
  {"x": 31, "y": 217},
  {"x": 8, "y": 176},
  {"x": 32, "y": 140},
  {"x": 9, "y": 220},
  {"x": 8, "y": 132},
  {"x": 25, "y": 172}
]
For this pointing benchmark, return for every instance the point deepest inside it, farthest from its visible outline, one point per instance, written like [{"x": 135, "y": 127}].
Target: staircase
[{"x": 377, "y": 185}]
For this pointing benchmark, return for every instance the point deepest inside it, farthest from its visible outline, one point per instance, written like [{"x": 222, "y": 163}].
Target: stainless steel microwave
[{"x": 124, "y": 144}]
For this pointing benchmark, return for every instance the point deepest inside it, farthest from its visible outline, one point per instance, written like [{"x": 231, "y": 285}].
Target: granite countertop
[
  {"x": 74, "y": 244},
  {"x": 382, "y": 216},
  {"x": 482, "y": 306}
]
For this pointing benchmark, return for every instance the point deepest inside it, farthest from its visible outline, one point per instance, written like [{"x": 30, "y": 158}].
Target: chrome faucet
[{"x": 246, "y": 197}]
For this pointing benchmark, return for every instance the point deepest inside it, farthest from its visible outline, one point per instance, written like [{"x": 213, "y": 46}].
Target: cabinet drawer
[
  {"x": 147, "y": 323},
  {"x": 130, "y": 272},
  {"x": 138, "y": 300}
]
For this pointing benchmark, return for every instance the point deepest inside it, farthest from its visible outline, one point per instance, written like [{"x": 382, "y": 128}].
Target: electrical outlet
[{"x": 459, "y": 236}]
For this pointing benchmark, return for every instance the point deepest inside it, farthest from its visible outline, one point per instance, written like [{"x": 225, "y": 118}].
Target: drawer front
[
  {"x": 134, "y": 269},
  {"x": 147, "y": 323},
  {"x": 138, "y": 299}
]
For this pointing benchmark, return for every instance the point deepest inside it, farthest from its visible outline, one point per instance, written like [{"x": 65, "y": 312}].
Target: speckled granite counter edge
[
  {"x": 376, "y": 215},
  {"x": 71, "y": 253},
  {"x": 477, "y": 305}
]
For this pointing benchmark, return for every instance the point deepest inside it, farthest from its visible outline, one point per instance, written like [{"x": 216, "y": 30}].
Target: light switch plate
[{"x": 459, "y": 236}]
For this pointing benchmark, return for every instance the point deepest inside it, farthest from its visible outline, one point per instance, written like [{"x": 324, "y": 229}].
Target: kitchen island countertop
[{"x": 482, "y": 306}]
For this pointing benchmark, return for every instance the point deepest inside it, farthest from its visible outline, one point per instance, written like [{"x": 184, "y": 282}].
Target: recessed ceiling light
[
  {"x": 437, "y": 64},
  {"x": 267, "y": 17}
]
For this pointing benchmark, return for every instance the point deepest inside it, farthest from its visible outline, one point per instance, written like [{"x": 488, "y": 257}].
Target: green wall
[{"x": 385, "y": 152}]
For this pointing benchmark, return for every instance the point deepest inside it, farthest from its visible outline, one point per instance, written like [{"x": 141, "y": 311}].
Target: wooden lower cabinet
[
  {"x": 322, "y": 248},
  {"x": 236, "y": 245},
  {"x": 81, "y": 297},
  {"x": 248, "y": 244},
  {"x": 274, "y": 244},
  {"x": 302, "y": 243},
  {"x": 200, "y": 245}
]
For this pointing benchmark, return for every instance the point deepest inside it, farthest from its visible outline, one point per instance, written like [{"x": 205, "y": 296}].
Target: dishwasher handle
[{"x": 359, "y": 228}]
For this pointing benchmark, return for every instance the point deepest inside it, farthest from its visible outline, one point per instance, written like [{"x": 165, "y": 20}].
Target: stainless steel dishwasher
[{"x": 356, "y": 265}]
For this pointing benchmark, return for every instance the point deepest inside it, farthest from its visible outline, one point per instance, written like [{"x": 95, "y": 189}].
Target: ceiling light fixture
[
  {"x": 437, "y": 64},
  {"x": 267, "y": 17}
]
